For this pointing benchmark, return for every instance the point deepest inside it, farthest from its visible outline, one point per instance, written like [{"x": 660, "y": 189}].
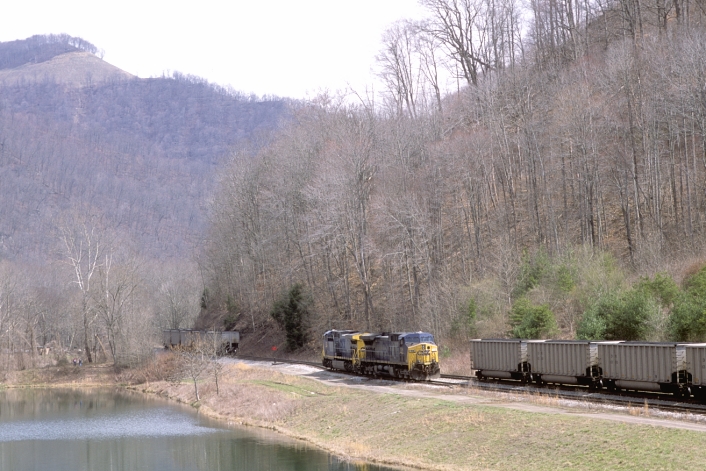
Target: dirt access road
[{"x": 474, "y": 396}]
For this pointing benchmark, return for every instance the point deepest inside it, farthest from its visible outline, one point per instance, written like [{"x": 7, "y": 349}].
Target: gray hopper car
[
  {"x": 644, "y": 366},
  {"x": 674, "y": 368},
  {"x": 500, "y": 358},
  {"x": 225, "y": 343},
  {"x": 564, "y": 362}
]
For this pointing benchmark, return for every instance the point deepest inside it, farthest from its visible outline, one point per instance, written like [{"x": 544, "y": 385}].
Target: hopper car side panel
[
  {"x": 647, "y": 366},
  {"x": 564, "y": 362},
  {"x": 500, "y": 358}
]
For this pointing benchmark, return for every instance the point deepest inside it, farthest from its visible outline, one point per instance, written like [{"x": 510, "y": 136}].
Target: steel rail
[{"x": 660, "y": 401}]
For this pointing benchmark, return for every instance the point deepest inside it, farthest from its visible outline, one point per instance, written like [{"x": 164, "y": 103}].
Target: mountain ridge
[
  {"x": 40, "y": 48},
  {"x": 77, "y": 132}
]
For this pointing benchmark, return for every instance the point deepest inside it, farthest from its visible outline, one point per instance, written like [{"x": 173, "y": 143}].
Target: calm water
[{"x": 66, "y": 430}]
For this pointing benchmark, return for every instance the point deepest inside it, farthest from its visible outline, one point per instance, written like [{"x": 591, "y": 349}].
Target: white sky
[{"x": 289, "y": 48}]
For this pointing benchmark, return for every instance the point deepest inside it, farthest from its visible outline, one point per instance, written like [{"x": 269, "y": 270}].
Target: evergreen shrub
[
  {"x": 291, "y": 312},
  {"x": 530, "y": 321}
]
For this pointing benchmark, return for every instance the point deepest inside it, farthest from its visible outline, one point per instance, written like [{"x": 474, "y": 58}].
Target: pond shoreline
[{"x": 211, "y": 405}]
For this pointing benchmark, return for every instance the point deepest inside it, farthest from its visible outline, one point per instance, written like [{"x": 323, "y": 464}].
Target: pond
[{"x": 116, "y": 430}]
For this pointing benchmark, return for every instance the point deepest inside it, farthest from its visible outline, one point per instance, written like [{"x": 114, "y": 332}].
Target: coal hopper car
[{"x": 666, "y": 367}]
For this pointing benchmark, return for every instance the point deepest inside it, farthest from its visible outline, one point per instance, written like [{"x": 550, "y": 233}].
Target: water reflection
[{"x": 66, "y": 430}]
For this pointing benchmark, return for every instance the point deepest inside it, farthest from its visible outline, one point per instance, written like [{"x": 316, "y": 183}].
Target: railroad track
[{"x": 658, "y": 401}]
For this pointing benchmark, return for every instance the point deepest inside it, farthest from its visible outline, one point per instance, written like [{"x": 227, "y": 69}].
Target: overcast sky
[{"x": 289, "y": 48}]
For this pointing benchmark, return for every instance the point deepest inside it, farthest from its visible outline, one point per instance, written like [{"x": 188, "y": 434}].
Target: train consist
[
  {"x": 407, "y": 355},
  {"x": 676, "y": 368},
  {"x": 226, "y": 343}
]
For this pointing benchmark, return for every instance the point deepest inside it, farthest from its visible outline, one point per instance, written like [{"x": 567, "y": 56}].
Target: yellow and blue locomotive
[{"x": 408, "y": 355}]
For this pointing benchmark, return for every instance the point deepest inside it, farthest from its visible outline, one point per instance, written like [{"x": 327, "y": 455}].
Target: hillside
[
  {"x": 77, "y": 132},
  {"x": 559, "y": 192},
  {"x": 40, "y": 48}
]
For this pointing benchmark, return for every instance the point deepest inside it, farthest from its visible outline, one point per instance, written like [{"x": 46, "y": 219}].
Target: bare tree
[
  {"x": 193, "y": 362},
  {"x": 213, "y": 348},
  {"x": 432, "y": 66},
  {"x": 85, "y": 245},
  {"x": 400, "y": 67},
  {"x": 178, "y": 290},
  {"x": 8, "y": 315},
  {"x": 458, "y": 24},
  {"x": 114, "y": 299},
  {"x": 347, "y": 181}
]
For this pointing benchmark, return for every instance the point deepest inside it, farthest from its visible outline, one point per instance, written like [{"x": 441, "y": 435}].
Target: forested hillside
[
  {"x": 105, "y": 180},
  {"x": 570, "y": 161},
  {"x": 141, "y": 152}
]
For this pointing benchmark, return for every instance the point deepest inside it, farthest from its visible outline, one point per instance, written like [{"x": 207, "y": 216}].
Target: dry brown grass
[
  {"x": 246, "y": 395},
  {"x": 66, "y": 375},
  {"x": 457, "y": 362},
  {"x": 160, "y": 368},
  {"x": 642, "y": 411}
]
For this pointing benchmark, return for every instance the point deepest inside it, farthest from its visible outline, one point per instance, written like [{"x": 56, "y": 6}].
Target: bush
[
  {"x": 291, "y": 311},
  {"x": 592, "y": 326},
  {"x": 632, "y": 317},
  {"x": 663, "y": 289},
  {"x": 205, "y": 298},
  {"x": 232, "y": 314},
  {"x": 530, "y": 321},
  {"x": 565, "y": 278},
  {"x": 464, "y": 325},
  {"x": 695, "y": 284},
  {"x": 532, "y": 270},
  {"x": 628, "y": 315},
  {"x": 688, "y": 320},
  {"x": 162, "y": 367}
]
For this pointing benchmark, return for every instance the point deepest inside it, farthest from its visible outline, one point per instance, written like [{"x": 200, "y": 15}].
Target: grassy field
[{"x": 435, "y": 433}]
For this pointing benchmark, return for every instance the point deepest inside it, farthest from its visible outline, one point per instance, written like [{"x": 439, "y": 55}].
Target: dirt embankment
[{"x": 435, "y": 428}]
